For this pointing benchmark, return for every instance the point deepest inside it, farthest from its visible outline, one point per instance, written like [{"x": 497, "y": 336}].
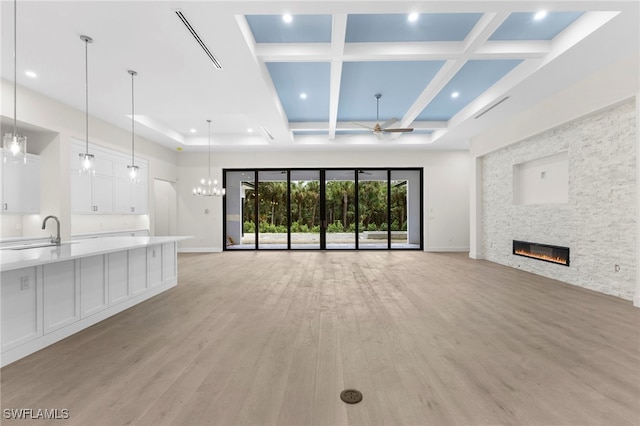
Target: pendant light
[
  {"x": 209, "y": 187},
  {"x": 133, "y": 169},
  {"x": 87, "y": 164},
  {"x": 15, "y": 145}
]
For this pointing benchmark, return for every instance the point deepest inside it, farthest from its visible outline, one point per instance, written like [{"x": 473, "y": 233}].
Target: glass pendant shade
[
  {"x": 87, "y": 164},
  {"x": 133, "y": 174},
  {"x": 15, "y": 148}
]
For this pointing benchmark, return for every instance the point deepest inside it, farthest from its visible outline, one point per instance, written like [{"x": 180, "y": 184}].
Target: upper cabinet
[
  {"x": 109, "y": 191},
  {"x": 21, "y": 186}
]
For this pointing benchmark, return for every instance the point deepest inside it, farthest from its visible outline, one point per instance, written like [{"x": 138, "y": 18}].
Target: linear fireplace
[{"x": 544, "y": 252}]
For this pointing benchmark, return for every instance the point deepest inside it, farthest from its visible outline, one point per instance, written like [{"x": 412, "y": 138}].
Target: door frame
[{"x": 323, "y": 208}]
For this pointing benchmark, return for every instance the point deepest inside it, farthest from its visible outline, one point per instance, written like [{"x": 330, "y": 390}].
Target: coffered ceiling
[{"x": 303, "y": 74}]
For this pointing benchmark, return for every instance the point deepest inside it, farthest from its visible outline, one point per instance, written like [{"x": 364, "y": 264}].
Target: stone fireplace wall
[{"x": 598, "y": 223}]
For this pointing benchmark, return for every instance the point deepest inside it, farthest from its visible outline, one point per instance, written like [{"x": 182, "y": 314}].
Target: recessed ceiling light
[
  {"x": 413, "y": 17},
  {"x": 192, "y": 130},
  {"x": 287, "y": 18},
  {"x": 303, "y": 96},
  {"x": 540, "y": 15},
  {"x": 455, "y": 95},
  {"x": 30, "y": 74},
  {"x": 250, "y": 130}
]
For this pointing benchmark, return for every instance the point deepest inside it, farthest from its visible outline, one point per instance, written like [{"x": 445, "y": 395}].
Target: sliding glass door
[
  {"x": 305, "y": 220},
  {"x": 340, "y": 209},
  {"x": 331, "y": 209}
]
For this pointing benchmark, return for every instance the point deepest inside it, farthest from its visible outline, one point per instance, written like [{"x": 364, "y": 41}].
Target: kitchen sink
[{"x": 33, "y": 246}]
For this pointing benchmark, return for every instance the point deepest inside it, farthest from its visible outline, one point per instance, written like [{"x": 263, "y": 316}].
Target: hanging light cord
[
  {"x": 86, "y": 79},
  {"x": 15, "y": 67},
  {"x": 133, "y": 138},
  {"x": 209, "y": 121}
]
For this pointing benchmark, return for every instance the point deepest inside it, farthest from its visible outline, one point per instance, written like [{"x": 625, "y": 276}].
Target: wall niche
[{"x": 542, "y": 181}]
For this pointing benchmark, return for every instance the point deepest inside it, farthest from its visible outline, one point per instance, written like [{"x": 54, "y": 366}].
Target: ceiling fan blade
[
  {"x": 400, "y": 130},
  {"x": 379, "y": 135},
  {"x": 389, "y": 123},
  {"x": 362, "y": 125}
]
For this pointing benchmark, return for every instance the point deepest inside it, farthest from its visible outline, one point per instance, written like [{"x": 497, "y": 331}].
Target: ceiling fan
[{"x": 380, "y": 129}]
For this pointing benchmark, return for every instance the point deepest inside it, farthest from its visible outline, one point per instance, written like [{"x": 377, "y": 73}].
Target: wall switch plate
[{"x": 25, "y": 283}]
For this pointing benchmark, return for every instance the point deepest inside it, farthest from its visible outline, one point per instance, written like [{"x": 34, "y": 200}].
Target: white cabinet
[
  {"x": 169, "y": 267},
  {"x": 118, "y": 277},
  {"x": 154, "y": 265},
  {"x": 45, "y": 303},
  {"x": 109, "y": 191},
  {"x": 138, "y": 270},
  {"x": 91, "y": 194},
  {"x": 61, "y": 295},
  {"x": 21, "y": 186},
  {"x": 93, "y": 288},
  {"x": 130, "y": 198},
  {"x": 21, "y": 307}
]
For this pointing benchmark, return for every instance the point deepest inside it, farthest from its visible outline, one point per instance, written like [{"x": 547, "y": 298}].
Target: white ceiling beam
[
  {"x": 338, "y": 35},
  {"x": 416, "y": 51},
  {"x": 281, "y": 134},
  {"x": 347, "y": 125},
  {"x": 476, "y": 38},
  {"x": 298, "y": 52},
  {"x": 512, "y": 50},
  {"x": 393, "y": 50}
]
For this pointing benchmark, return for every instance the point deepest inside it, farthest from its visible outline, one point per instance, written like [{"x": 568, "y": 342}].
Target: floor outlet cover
[{"x": 351, "y": 396}]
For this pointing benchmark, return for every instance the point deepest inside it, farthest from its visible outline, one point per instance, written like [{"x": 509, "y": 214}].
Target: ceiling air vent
[
  {"x": 195, "y": 35},
  {"x": 491, "y": 107}
]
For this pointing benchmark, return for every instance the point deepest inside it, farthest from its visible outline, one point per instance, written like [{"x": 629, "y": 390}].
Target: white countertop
[{"x": 17, "y": 259}]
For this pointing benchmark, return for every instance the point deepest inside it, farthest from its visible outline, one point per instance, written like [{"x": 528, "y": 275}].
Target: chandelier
[{"x": 209, "y": 187}]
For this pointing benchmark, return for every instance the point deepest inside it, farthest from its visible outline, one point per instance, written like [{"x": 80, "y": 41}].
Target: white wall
[
  {"x": 65, "y": 123},
  {"x": 446, "y": 190}
]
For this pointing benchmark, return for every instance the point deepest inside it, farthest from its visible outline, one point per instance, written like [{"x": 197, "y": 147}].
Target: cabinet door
[
  {"x": 93, "y": 289},
  {"x": 122, "y": 196},
  {"x": 138, "y": 270},
  {"x": 102, "y": 194},
  {"x": 139, "y": 197},
  {"x": 118, "y": 277},
  {"x": 81, "y": 193},
  {"x": 154, "y": 265},
  {"x": 168, "y": 261},
  {"x": 61, "y": 295},
  {"x": 21, "y": 186},
  {"x": 21, "y": 307}
]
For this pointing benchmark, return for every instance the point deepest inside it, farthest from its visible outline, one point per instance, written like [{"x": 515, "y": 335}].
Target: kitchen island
[{"x": 49, "y": 292}]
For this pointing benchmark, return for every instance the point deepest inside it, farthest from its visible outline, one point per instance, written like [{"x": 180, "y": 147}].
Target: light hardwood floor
[{"x": 264, "y": 338}]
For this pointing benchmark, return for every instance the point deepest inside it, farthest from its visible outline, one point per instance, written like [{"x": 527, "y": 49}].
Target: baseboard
[
  {"x": 200, "y": 250},
  {"x": 447, "y": 249},
  {"x": 476, "y": 256}
]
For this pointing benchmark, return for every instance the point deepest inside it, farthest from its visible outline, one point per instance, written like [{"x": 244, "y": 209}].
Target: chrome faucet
[{"x": 55, "y": 240}]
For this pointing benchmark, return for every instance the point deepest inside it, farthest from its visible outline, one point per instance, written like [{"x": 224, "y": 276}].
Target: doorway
[
  {"x": 165, "y": 208},
  {"x": 323, "y": 209}
]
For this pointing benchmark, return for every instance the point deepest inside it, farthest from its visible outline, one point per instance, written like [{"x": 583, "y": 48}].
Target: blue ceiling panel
[
  {"x": 471, "y": 81},
  {"x": 523, "y": 26},
  {"x": 301, "y": 29},
  {"x": 397, "y": 27},
  {"x": 292, "y": 79},
  {"x": 399, "y": 83}
]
